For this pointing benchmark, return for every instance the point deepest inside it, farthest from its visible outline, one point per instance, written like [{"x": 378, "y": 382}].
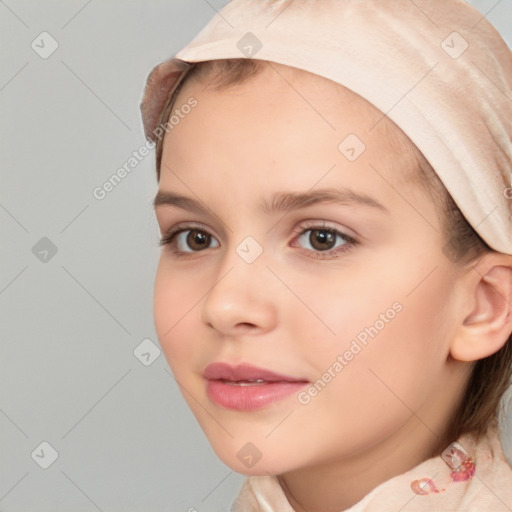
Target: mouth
[
  {"x": 257, "y": 382},
  {"x": 248, "y": 388}
]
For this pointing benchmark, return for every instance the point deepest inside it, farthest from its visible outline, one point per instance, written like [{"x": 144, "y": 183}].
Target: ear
[{"x": 487, "y": 315}]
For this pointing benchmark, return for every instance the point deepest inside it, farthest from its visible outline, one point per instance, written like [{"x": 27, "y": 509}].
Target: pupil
[
  {"x": 322, "y": 239},
  {"x": 197, "y": 240}
]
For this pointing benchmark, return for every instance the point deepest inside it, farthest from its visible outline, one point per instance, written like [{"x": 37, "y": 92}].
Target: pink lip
[
  {"x": 221, "y": 387},
  {"x": 224, "y": 371}
]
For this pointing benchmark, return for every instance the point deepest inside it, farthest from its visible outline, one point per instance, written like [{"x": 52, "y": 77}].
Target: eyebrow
[{"x": 280, "y": 202}]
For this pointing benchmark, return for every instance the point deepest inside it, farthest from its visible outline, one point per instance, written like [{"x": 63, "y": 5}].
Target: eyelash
[{"x": 170, "y": 238}]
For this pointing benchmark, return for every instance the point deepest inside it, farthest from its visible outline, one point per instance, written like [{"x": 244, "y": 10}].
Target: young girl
[{"x": 335, "y": 285}]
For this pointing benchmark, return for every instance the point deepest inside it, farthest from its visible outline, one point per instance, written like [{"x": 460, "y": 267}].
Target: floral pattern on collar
[{"x": 462, "y": 465}]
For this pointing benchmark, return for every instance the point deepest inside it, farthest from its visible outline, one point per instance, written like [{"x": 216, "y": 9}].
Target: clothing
[
  {"x": 481, "y": 482},
  {"x": 437, "y": 68}
]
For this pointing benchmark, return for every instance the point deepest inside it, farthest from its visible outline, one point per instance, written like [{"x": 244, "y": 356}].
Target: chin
[
  {"x": 247, "y": 459},
  {"x": 261, "y": 468}
]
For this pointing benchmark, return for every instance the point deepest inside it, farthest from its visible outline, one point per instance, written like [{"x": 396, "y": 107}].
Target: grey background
[{"x": 72, "y": 320}]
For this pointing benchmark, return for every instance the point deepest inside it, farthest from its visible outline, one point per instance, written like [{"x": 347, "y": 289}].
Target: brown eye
[
  {"x": 322, "y": 239},
  {"x": 193, "y": 240},
  {"x": 198, "y": 240}
]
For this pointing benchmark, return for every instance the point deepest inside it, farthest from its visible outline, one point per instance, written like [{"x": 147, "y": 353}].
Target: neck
[
  {"x": 339, "y": 483},
  {"x": 333, "y": 487}
]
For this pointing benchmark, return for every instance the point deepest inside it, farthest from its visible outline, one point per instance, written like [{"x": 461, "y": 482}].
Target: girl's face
[{"x": 299, "y": 246}]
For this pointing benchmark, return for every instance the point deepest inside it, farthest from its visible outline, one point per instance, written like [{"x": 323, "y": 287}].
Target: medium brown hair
[{"x": 479, "y": 403}]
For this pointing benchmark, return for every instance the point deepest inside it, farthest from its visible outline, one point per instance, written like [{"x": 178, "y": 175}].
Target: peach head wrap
[{"x": 436, "y": 68}]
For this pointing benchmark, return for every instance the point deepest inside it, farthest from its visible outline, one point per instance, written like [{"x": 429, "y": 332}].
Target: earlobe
[{"x": 487, "y": 324}]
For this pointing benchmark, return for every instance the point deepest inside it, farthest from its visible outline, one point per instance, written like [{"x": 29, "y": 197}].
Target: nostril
[{"x": 245, "y": 326}]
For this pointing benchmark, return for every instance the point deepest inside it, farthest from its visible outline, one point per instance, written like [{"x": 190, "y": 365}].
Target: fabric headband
[{"x": 437, "y": 68}]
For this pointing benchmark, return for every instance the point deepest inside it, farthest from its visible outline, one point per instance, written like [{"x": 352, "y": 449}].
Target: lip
[
  {"x": 247, "y": 388},
  {"x": 224, "y": 371}
]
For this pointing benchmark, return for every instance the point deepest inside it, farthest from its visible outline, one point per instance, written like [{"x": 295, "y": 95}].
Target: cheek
[
  {"x": 400, "y": 310},
  {"x": 174, "y": 301},
  {"x": 337, "y": 307},
  {"x": 391, "y": 341}
]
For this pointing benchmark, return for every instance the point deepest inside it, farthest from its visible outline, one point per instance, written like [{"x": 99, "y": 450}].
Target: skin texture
[{"x": 294, "y": 310}]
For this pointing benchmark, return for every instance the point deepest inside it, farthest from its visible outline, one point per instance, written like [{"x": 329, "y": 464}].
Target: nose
[{"x": 240, "y": 301}]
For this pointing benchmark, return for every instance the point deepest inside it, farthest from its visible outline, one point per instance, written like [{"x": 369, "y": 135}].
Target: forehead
[
  {"x": 283, "y": 119},
  {"x": 274, "y": 80}
]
